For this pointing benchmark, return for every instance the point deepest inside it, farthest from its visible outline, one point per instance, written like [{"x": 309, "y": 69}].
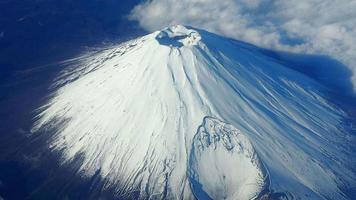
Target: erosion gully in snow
[{"x": 183, "y": 113}]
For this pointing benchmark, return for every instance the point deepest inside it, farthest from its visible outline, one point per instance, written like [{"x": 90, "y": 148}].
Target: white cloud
[{"x": 306, "y": 26}]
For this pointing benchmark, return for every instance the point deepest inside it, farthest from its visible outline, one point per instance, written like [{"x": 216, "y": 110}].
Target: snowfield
[{"x": 183, "y": 113}]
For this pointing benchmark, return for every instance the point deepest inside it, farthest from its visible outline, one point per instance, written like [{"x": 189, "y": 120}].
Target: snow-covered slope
[
  {"x": 223, "y": 163},
  {"x": 182, "y": 113}
]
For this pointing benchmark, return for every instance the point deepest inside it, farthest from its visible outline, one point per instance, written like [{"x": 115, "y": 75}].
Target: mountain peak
[
  {"x": 178, "y": 36},
  {"x": 179, "y": 122}
]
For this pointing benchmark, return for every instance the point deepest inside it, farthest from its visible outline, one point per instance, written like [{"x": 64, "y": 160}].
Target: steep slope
[{"x": 142, "y": 115}]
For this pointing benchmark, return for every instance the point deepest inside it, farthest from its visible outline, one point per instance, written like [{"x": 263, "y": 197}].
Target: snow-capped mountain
[{"x": 183, "y": 113}]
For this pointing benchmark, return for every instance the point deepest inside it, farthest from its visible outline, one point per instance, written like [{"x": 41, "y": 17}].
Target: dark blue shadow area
[
  {"x": 198, "y": 190},
  {"x": 173, "y": 41},
  {"x": 47, "y": 179},
  {"x": 333, "y": 75},
  {"x": 38, "y": 32},
  {"x": 327, "y": 71}
]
